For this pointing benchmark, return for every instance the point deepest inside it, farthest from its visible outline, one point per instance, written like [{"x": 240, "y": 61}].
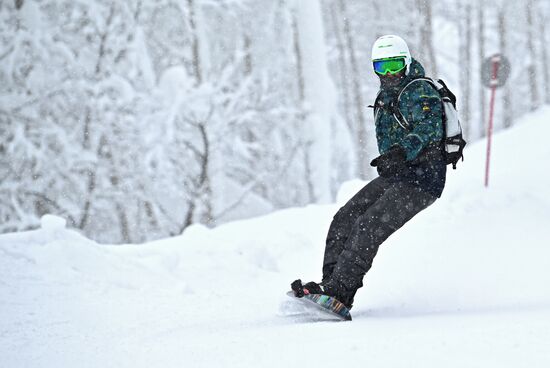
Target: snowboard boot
[
  {"x": 315, "y": 288},
  {"x": 339, "y": 292}
]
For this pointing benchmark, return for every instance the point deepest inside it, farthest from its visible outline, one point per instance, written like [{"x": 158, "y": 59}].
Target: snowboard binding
[{"x": 313, "y": 294}]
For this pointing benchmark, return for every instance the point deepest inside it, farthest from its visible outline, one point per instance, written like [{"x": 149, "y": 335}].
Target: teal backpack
[{"x": 453, "y": 141}]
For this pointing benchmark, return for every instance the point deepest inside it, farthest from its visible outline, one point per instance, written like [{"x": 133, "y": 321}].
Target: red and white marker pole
[{"x": 495, "y": 64}]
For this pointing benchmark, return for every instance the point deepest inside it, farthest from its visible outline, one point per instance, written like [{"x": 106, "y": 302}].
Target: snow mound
[{"x": 52, "y": 223}]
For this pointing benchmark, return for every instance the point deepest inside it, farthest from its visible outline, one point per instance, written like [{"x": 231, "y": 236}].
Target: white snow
[
  {"x": 52, "y": 223},
  {"x": 464, "y": 284}
]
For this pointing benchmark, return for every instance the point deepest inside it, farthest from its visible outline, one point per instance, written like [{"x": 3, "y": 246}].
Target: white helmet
[{"x": 391, "y": 46}]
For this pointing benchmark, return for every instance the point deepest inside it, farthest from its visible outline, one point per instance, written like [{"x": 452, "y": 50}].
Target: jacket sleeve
[
  {"x": 381, "y": 129},
  {"x": 424, "y": 106}
]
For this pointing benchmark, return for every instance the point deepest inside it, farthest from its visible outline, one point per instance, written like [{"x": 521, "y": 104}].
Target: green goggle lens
[{"x": 392, "y": 66}]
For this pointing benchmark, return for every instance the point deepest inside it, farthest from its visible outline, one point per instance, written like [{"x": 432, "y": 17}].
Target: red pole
[{"x": 496, "y": 62}]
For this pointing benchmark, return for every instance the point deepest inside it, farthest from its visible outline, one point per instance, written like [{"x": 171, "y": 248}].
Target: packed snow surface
[{"x": 464, "y": 284}]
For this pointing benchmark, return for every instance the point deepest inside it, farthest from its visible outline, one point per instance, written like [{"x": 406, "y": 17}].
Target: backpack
[{"x": 453, "y": 142}]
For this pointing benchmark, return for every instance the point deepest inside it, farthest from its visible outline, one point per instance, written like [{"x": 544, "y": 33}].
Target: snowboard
[{"x": 327, "y": 304}]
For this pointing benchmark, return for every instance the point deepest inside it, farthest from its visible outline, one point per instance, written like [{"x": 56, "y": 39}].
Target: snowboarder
[{"x": 411, "y": 168}]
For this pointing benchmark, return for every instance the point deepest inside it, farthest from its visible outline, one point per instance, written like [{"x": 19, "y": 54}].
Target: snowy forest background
[{"x": 133, "y": 119}]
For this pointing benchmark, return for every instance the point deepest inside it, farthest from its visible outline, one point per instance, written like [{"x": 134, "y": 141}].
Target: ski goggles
[{"x": 391, "y": 65}]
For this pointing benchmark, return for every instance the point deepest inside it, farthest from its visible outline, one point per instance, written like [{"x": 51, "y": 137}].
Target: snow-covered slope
[{"x": 464, "y": 284}]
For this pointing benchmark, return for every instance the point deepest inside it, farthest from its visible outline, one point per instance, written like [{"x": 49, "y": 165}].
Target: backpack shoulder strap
[
  {"x": 397, "y": 112},
  {"x": 393, "y": 107},
  {"x": 446, "y": 93},
  {"x": 425, "y": 79},
  {"x": 376, "y": 103}
]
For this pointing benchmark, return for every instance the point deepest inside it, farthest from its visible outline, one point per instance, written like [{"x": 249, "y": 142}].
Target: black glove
[{"x": 391, "y": 162}]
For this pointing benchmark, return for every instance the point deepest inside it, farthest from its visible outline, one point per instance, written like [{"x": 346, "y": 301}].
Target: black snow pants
[{"x": 361, "y": 225}]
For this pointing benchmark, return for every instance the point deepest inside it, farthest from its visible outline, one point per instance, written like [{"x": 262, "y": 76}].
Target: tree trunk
[
  {"x": 531, "y": 69},
  {"x": 84, "y": 218},
  {"x": 318, "y": 92},
  {"x": 211, "y": 188},
  {"x": 206, "y": 178},
  {"x": 342, "y": 64},
  {"x": 465, "y": 76},
  {"x": 195, "y": 46},
  {"x": 426, "y": 39},
  {"x": 363, "y": 166},
  {"x": 506, "y": 93},
  {"x": 544, "y": 54},
  {"x": 300, "y": 85},
  {"x": 298, "y": 56},
  {"x": 481, "y": 56},
  {"x": 247, "y": 55},
  {"x": 123, "y": 223},
  {"x": 194, "y": 43}
]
